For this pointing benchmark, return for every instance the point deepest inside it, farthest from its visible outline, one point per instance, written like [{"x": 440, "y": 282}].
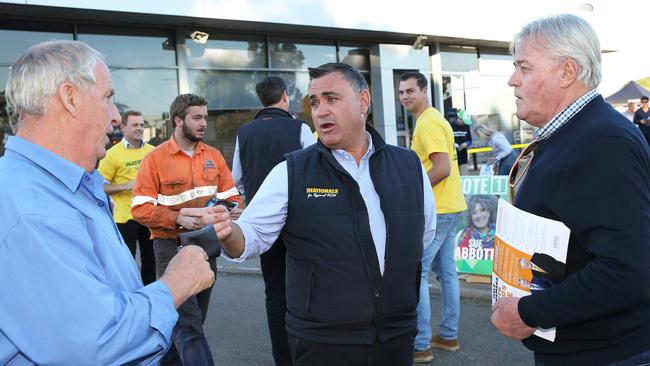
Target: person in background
[
  {"x": 115, "y": 134},
  {"x": 502, "y": 153},
  {"x": 261, "y": 145},
  {"x": 119, "y": 168},
  {"x": 72, "y": 294},
  {"x": 433, "y": 142},
  {"x": 462, "y": 138},
  {"x": 158, "y": 139},
  {"x": 182, "y": 172},
  {"x": 642, "y": 118},
  {"x": 629, "y": 112}
]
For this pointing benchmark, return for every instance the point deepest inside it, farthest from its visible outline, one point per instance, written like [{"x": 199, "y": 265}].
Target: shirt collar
[
  {"x": 128, "y": 145},
  {"x": 563, "y": 117},
  {"x": 174, "y": 148},
  {"x": 341, "y": 154},
  {"x": 68, "y": 173}
]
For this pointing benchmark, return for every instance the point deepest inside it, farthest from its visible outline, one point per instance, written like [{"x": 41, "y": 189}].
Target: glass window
[
  {"x": 297, "y": 86},
  {"x": 133, "y": 50},
  {"x": 226, "y": 89},
  {"x": 286, "y": 54},
  {"x": 222, "y": 129},
  {"x": 148, "y": 91},
  {"x": 358, "y": 57},
  {"x": 15, "y": 42},
  {"x": 227, "y": 53}
]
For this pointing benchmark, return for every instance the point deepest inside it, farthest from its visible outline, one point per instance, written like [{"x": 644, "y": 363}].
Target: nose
[
  {"x": 514, "y": 79},
  {"x": 321, "y": 111}
]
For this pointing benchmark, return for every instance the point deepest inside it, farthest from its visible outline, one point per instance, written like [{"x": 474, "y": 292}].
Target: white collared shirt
[{"x": 263, "y": 219}]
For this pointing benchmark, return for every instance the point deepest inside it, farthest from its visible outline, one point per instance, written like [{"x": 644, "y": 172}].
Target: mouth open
[{"x": 326, "y": 127}]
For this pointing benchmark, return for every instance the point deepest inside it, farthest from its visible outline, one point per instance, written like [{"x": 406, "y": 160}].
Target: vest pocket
[
  {"x": 299, "y": 285},
  {"x": 401, "y": 286}
]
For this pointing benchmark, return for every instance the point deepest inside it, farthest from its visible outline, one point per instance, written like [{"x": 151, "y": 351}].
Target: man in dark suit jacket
[
  {"x": 261, "y": 145},
  {"x": 590, "y": 169}
]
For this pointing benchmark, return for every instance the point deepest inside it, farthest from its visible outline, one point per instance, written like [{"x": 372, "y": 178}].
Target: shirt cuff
[
  {"x": 163, "y": 312},
  {"x": 526, "y": 308}
]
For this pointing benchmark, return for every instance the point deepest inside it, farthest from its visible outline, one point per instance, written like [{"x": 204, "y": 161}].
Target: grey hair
[
  {"x": 565, "y": 36},
  {"x": 37, "y": 74}
]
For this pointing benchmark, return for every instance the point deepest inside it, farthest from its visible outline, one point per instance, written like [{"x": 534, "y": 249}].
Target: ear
[
  {"x": 364, "y": 102},
  {"x": 69, "y": 98},
  {"x": 569, "y": 72},
  {"x": 178, "y": 121}
]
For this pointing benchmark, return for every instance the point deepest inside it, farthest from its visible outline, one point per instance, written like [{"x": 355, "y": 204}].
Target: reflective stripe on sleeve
[
  {"x": 186, "y": 196},
  {"x": 141, "y": 200},
  {"x": 227, "y": 194}
]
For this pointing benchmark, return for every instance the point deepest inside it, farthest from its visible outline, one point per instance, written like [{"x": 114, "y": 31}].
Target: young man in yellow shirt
[
  {"x": 433, "y": 142},
  {"x": 119, "y": 168}
]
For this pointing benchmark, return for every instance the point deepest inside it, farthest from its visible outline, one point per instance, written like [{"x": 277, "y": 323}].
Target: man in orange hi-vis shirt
[{"x": 182, "y": 172}]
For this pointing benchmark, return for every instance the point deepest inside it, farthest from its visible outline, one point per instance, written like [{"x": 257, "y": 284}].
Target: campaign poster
[{"x": 475, "y": 231}]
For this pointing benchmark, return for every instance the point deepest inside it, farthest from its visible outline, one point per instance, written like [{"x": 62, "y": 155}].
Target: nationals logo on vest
[{"x": 322, "y": 192}]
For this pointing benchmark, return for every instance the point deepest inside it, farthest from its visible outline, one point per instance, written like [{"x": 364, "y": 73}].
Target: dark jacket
[
  {"x": 593, "y": 174},
  {"x": 263, "y": 143},
  {"x": 335, "y": 290}
]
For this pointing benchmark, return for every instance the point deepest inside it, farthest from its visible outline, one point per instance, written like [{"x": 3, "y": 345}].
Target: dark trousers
[
  {"x": 189, "y": 345},
  {"x": 134, "y": 233},
  {"x": 394, "y": 352},
  {"x": 642, "y": 359},
  {"x": 273, "y": 264}
]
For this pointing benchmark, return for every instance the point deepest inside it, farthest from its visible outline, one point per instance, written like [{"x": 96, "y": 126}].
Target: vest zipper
[{"x": 375, "y": 291}]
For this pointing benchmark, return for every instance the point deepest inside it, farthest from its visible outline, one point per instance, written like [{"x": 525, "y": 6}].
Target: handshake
[
  {"x": 206, "y": 237},
  {"x": 193, "y": 269}
]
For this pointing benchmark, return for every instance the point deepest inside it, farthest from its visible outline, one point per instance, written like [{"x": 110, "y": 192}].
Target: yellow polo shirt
[
  {"x": 119, "y": 166},
  {"x": 434, "y": 134}
]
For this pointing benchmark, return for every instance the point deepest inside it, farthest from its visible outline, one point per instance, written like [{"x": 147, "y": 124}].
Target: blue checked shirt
[{"x": 563, "y": 117}]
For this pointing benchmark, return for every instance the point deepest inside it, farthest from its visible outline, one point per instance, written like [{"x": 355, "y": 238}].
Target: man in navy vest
[
  {"x": 261, "y": 145},
  {"x": 355, "y": 214}
]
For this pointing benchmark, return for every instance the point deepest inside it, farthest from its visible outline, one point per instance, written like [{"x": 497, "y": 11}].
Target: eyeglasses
[{"x": 520, "y": 168}]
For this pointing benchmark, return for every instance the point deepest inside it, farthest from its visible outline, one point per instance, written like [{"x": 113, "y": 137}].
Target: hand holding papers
[{"x": 529, "y": 255}]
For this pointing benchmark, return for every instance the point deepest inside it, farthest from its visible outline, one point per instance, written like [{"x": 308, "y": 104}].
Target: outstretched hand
[{"x": 216, "y": 215}]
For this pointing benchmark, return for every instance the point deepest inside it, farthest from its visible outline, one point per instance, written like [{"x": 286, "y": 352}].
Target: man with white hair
[
  {"x": 72, "y": 294},
  {"x": 590, "y": 169}
]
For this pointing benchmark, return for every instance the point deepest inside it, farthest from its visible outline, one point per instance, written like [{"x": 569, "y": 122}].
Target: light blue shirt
[
  {"x": 263, "y": 219},
  {"x": 306, "y": 139},
  {"x": 71, "y": 292}
]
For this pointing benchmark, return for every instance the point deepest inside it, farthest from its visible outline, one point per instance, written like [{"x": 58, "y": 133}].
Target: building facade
[{"x": 155, "y": 54}]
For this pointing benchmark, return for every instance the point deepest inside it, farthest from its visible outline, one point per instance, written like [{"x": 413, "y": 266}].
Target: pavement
[{"x": 468, "y": 288}]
